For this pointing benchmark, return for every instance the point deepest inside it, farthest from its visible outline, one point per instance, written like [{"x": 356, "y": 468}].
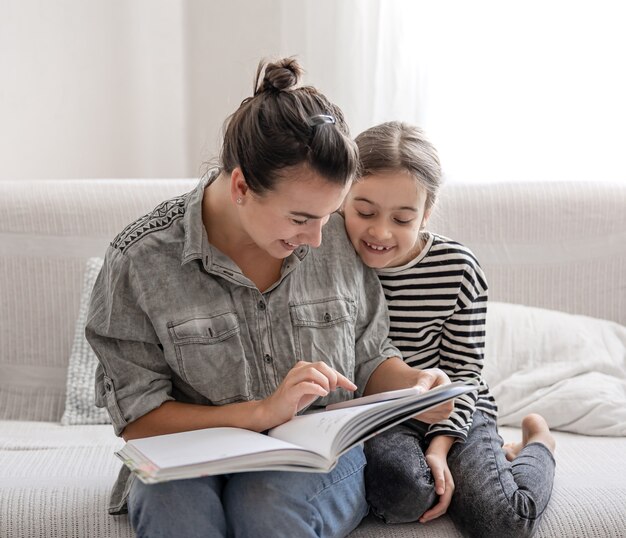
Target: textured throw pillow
[
  {"x": 570, "y": 369},
  {"x": 80, "y": 405}
]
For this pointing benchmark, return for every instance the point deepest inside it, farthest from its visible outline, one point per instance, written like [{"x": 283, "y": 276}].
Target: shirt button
[
  {"x": 327, "y": 317},
  {"x": 268, "y": 359},
  {"x": 261, "y": 305}
]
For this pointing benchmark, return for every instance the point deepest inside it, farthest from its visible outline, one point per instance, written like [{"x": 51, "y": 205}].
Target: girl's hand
[
  {"x": 429, "y": 379},
  {"x": 436, "y": 414},
  {"x": 304, "y": 383},
  {"x": 444, "y": 484}
]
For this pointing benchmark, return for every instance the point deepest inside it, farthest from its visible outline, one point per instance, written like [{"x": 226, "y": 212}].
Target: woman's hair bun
[
  {"x": 278, "y": 76},
  {"x": 285, "y": 124}
]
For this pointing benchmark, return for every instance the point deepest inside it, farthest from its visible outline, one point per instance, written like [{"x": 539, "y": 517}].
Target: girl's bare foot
[{"x": 534, "y": 430}]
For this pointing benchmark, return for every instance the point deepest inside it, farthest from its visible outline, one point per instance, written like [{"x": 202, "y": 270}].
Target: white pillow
[
  {"x": 80, "y": 407},
  {"x": 571, "y": 369}
]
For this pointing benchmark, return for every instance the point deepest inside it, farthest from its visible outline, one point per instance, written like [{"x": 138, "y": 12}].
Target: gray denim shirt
[{"x": 173, "y": 318}]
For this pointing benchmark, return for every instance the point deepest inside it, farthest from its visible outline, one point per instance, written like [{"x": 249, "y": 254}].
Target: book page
[
  {"x": 317, "y": 431},
  {"x": 200, "y": 446},
  {"x": 328, "y": 433}
]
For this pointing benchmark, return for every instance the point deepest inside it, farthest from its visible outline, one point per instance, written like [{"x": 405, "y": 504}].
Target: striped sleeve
[
  {"x": 461, "y": 356},
  {"x": 438, "y": 308}
]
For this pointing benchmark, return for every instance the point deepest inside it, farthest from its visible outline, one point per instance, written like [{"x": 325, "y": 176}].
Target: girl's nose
[{"x": 379, "y": 232}]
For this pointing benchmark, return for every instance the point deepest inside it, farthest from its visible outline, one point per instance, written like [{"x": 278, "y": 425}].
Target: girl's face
[
  {"x": 384, "y": 214},
  {"x": 292, "y": 214}
]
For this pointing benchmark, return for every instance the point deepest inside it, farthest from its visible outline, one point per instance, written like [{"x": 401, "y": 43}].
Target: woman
[{"x": 213, "y": 310}]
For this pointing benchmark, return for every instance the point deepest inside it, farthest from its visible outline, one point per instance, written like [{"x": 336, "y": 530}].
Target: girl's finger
[{"x": 440, "y": 484}]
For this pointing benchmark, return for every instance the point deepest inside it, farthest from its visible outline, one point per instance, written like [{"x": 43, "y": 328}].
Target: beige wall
[
  {"x": 141, "y": 88},
  {"x": 120, "y": 88},
  {"x": 223, "y": 43}
]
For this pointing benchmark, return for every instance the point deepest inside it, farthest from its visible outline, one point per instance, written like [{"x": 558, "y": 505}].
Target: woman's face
[
  {"x": 384, "y": 215},
  {"x": 292, "y": 214}
]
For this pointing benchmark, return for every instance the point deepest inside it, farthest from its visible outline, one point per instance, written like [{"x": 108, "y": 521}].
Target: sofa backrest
[
  {"x": 48, "y": 230},
  {"x": 560, "y": 246}
]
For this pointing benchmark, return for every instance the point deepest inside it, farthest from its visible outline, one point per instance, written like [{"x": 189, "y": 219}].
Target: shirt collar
[
  {"x": 197, "y": 245},
  {"x": 196, "y": 242}
]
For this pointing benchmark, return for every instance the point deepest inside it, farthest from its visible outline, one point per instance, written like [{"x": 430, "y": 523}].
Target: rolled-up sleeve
[
  {"x": 373, "y": 345},
  {"x": 132, "y": 377}
]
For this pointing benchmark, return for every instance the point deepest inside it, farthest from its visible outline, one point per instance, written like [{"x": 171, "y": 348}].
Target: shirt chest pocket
[
  {"x": 324, "y": 331},
  {"x": 211, "y": 357}
]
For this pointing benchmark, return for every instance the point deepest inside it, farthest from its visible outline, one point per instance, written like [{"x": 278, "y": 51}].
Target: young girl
[{"x": 437, "y": 297}]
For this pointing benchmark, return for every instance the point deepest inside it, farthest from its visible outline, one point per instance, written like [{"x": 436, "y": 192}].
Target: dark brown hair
[
  {"x": 283, "y": 125},
  {"x": 396, "y": 146}
]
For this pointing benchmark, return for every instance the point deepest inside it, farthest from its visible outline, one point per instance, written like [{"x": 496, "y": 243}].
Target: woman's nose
[{"x": 314, "y": 235}]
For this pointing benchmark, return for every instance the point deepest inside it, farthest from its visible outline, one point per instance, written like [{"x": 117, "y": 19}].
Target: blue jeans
[
  {"x": 493, "y": 497},
  {"x": 259, "y": 504}
]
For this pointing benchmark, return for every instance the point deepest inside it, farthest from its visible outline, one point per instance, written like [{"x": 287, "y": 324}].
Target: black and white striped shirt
[{"x": 437, "y": 307}]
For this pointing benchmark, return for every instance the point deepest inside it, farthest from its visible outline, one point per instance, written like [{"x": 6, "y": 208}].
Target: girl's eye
[
  {"x": 364, "y": 215},
  {"x": 399, "y": 221},
  {"x": 300, "y": 222}
]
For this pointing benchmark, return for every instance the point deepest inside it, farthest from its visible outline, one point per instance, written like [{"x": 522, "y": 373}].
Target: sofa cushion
[
  {"x": 570, "y": 369},
  {"x": 80, "y": 407},
  {"x": 55, "y": 481}
]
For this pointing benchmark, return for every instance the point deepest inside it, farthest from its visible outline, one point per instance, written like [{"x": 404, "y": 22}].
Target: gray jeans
[{"x": 492, "y": 497}]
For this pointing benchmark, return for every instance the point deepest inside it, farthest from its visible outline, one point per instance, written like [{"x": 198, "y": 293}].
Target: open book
[{"x": 312, "y": 442}]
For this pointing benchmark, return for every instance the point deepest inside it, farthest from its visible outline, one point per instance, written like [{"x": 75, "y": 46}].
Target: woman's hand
[
  {"x": 304, "y": 383},
  {"x": 436, "y": 458}
]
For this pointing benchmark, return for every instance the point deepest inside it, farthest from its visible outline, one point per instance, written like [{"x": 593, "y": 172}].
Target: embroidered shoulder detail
[{"x": 159, "y": 218}]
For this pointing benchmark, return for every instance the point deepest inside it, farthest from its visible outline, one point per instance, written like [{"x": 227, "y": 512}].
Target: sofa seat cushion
[
  {"x": 55, "y": 481},
  {"x": 587, "y": 500}
]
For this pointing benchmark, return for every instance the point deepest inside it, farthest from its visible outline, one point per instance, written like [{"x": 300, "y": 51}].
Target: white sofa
[{"x": 559, "y": 246}]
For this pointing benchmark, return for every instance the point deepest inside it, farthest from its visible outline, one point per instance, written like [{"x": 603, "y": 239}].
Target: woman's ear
[
  {"x": 426, "y": 217},
  {"x": 238, "y": 186}
]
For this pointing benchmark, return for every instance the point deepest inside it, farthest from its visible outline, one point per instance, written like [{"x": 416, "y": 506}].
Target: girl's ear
[{"x": 238, "y": 186}]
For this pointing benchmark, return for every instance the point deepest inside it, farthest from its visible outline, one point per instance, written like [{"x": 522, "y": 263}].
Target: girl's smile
[{"x": 385, "y": 213}]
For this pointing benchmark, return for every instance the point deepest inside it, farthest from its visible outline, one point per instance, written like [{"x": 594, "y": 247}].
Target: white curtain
[{"x": 508, "y": 91}]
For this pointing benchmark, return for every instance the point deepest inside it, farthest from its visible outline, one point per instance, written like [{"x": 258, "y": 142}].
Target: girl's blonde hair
[{"x": 396, "y": 146}]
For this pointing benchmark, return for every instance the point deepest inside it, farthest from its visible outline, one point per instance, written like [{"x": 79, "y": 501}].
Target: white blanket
[{"x": 570, "y": 369}]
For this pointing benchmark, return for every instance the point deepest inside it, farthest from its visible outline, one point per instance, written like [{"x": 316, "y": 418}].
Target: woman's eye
[
  {"x": 400, "y": 221},
  {"x": 299, "y": 222},
  {"x": 364, "y": 215}
]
